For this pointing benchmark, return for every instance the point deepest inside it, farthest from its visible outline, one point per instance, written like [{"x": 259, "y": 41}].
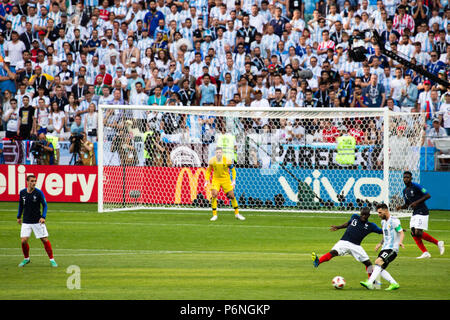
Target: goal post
[{"x": 287, "y": 159}]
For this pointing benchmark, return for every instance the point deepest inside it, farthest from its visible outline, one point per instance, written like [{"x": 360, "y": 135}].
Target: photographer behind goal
[
  {"x": 83, "y": 148},
  {"x": 80, "y": 146},
  {"x": 43, "y": 151}
]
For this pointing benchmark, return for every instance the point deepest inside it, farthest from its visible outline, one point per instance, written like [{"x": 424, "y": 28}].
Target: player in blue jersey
[
  {"x": 415, "y": 197},
  {"x": 357, "y": 228},
  {"x": 31, "y": 199},
  {"x": 392, "y": 240}
]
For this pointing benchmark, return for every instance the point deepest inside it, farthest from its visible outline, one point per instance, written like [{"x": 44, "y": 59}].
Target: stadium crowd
[{"x": 60, "y": 59}]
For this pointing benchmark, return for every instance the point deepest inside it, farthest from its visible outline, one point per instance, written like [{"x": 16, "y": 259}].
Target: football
[{"x": 338, "y": 282}]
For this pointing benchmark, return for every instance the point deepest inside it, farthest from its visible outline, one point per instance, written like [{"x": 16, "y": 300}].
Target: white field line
[
  {"x": 112, "y": 252},
  {"x": 271, "y": 214},
  {"x": 210, "y": 225}
]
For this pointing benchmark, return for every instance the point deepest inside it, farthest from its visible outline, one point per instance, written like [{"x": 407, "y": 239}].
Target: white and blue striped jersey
[
  {"x": 227, "y": 91},
  {"x": 200, "y": 5},
  {"x": 91, "y": 3},
  {"x": 52, "y": 70},
  {"x": 15, "y": 20},
  {"x": 270, "y": 42},
  {"x": 42, "y": 22},
  {"x": 235, "y": 75},
  {"x": 55, "y": 16},
  {"x": 118, "y": 11},
  {"x": 391, "y": 237},
  {"x": 187, "y": 33},
  {"x": 230, "y": 37}
]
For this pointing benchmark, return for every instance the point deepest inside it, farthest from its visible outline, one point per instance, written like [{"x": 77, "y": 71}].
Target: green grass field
[{"x": 175, "y": 255}]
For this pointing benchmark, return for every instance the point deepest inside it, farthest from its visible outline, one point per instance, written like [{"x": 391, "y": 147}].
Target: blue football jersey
[
  {"x": 414, "y": 193},
  {"x": 30, "y": 206},
  {"x": 357, "y": 230}
]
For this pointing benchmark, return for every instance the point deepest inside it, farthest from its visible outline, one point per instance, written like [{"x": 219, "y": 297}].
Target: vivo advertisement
[
  {"x": 300, "y": 188},
  {"x": 310, "y": 188}
]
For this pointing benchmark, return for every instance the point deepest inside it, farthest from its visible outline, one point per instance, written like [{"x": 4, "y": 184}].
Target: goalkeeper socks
[
  {"x": 26, "y": 250},
  {"x": 420, "y": 244},
  {"x": 429, "y": 238},
  {"x": 234, "y": 203},
  {"x": 214, "y": 206},
  {"x": 48, "y": 249}
]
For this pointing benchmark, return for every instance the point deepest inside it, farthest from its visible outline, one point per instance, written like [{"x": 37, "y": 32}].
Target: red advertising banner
[
  {"x": 58, "y": 183},
  {"x": 154, "y": 185},
  {"x": 147, "y": 185}
]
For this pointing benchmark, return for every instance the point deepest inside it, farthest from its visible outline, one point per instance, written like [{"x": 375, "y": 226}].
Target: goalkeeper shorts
[{"x": 226, "y": 185}]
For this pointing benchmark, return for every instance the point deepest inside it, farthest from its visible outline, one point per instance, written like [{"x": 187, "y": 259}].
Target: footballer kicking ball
[{"x": 338, "y": 282}]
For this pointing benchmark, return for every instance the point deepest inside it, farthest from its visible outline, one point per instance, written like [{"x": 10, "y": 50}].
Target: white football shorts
[
  {"x": 345, "y": 247},
  {"x": 40, "y": 230},
  {"x": 419, "y": 221}
]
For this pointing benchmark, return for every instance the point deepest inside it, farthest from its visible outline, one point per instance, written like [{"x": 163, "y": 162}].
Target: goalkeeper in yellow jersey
[{"x": 221, "y": 166}]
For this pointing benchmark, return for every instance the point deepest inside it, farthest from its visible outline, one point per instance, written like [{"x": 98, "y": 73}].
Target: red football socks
[
  {"x": 26, "y": 250},
  {"x": 429, "y": 238},
  {"x": 419, "y": 243},
  {"x": 326, "y": 257},
  {"x": 48, "y": 249}
]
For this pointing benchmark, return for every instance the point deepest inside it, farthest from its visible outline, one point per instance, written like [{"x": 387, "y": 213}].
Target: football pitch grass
[{"x": 181, "y": 255}]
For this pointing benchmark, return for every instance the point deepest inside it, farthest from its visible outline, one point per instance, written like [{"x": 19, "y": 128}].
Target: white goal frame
[{"x": 274, "y": 112}]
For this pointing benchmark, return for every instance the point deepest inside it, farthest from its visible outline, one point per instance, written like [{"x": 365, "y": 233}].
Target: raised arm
[{"x": 342, "y": 226}]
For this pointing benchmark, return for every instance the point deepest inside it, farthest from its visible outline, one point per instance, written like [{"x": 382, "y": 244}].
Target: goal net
[{"x": 286, "y": 159}]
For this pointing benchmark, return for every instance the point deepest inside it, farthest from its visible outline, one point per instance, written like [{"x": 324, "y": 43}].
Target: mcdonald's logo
[{"x": 193, "y": 183}]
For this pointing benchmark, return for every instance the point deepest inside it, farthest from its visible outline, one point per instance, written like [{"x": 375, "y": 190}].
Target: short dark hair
[
  {"x": 30, "y": 176},
  {"x": 382, "y": 206},
  {"x": 365, "y": 211},
  {"x": 408, "y": 172}
]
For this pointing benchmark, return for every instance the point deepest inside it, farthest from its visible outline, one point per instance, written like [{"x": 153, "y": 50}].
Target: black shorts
[{"x": 387, "y": 256}]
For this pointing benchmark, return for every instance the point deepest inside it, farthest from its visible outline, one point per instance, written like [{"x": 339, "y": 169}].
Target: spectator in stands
[
  {"x": 358, "y": 100},
  {"x": 435, "y": 65},
  {"x": 91, "y": 123},
  {"x": 409, "y": 94},
  {"x": 436, "y": 131},
  {"x": 57, "y": 120},
  {"x": 42, "y": 117},
  {"x": 207, "y": 92},
  {"x": 7, "y": 77},
  {"x": 374, "y": 92},
  {"x": 26, "y": 124},
  {"x": 5, "y": 106},
  {"x": 444, "y": 113},
  {"x": 11, "y": 119},
  {"x": 238, "y": 49}
]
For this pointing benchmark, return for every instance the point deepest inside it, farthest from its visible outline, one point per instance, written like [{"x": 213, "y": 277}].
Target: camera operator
[
  {"x": 77, "y": 127},
  {"x": 76, "y": 130},
  {"x": 43, "y": 151},
  {"x": 82, "y": 148}
]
